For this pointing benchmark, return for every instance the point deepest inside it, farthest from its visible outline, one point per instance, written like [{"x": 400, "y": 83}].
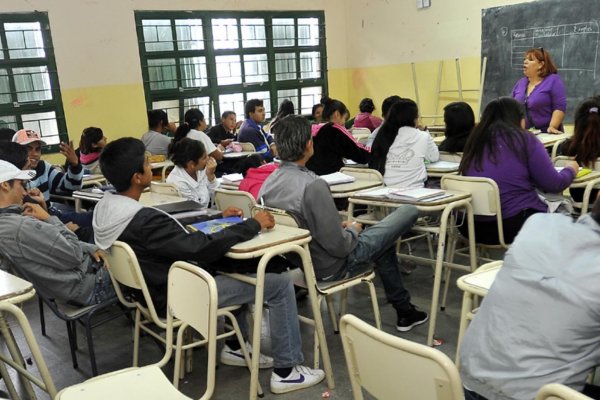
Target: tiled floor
[{"x": 114, "y": 345}]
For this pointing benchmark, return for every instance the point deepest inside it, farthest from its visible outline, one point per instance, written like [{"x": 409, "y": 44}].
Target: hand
[
  {"x": 35, "y": 211},
  {"x": 226, "y": 142},
  {"x": 553, "y": 130},
  {"x": 274, "y": 149},
  {"x": 171, "y": 127},
  {"x": 72, "y": 226},
  {"x": 37, "y": 195},
  {"x": 232, "y": 212},
  {"x": 67, "y": 150},
  {"x": 96, "y": 255},
  {"x": 265, "y": 219},
  {"x": 211, "y": 166},
  {"x": 573, "y": 165},
  {"x": 422, "y": 127},
  {"x": 356, "y": 226}
]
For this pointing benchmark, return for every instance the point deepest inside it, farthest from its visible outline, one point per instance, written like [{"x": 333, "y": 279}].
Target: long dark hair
[
  {"x": 501, "y": 117},
  {"x": 402, "y": 113},
  {"x": 285, "y": 108},
  {"x": 193, "y": 117},
  {"x": 89, "y": 137},
  {"x": 460, "y": 120},
  {"x": 187, "y": 150},
  {"x": 585, "y": 143},
  {"x": 330, "y": 106}
]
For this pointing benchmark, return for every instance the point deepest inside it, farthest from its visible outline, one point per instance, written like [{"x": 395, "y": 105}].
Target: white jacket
[
  {"x": 405, "y": 163},
  {"x": 193, "y": 189}
]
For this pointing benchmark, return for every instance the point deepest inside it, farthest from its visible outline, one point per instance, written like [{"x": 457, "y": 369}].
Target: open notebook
[{"x": 337, "y": 178}]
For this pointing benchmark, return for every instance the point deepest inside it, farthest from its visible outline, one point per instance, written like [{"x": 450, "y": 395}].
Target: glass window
[
  {"x": 285, "y": 66},
  {"x": 288, "y": 94},
  {"x": 171, "y": 107},
  {"x": 283, "y": 32},
  {"x": 310, "y": 65},
  {"x": 253, "y": 32},
  {"x": 232, "y": 102},
  {"x": 229, "y": 70},
  {"x": 158, "y": 35},
  {"x": 162, "y": 73},
  {"x": 309, "y": 96},
  {"x": 45, "y": 124},
  {"x": 256, "y": 68},
  {"x": 193, "y": 72},
  {"x": 24, "y": 40},
  {"x": 203, "y": 104},
  {"x": 9, "y": 121},
  {"x": 4, "y": 87},
  {"x": 225, "y": 33},
  {"x": 189, "y": 34},
  {"x": 32, "y": 84},
  {"x": 308, "y": 31}
]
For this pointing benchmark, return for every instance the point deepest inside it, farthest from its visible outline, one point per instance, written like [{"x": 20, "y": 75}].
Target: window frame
[
  {"x": 213, "y": 90},
  {"x": 14, "y": 108}
]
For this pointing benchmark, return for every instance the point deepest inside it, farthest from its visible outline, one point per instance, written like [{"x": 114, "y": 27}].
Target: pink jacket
[{"x": 255, "y": 178}]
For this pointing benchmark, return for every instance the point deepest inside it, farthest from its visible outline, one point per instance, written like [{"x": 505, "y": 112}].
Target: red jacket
[{"x": 255, "y": 178}]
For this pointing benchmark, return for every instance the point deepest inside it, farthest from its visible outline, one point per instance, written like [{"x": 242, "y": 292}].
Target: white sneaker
[
  {"x": 236, "y": 357},
  {"x": 301, "y": 377}
]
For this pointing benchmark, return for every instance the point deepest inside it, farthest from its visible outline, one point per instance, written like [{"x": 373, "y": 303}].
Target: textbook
[
  {"x": 337, "y": 178},
  {"x": 232, "y": 178},
  {"x": 215, "y": 225},
  {"x": 416, "y": 194},
  {"x": 443, "y": 165}
]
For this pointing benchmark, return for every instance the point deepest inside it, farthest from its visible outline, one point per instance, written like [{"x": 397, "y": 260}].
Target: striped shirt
[{"x": 50, "y": 180}]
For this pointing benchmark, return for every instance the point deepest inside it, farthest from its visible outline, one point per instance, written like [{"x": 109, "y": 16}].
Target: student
[
  {"x": 366, "y": 119},
  {"x": 194, "y": 129},
  {"x": 460, "y": 120},
  {"x": 385, "y": 109},
  {"x": 91, "y": 145},
  {"x": 338, "y": 249},
  {"x": 158, "y": 240},
  {"x": 224, "y": 133},
  {"x": 155, "y": 141},
  {"x": 52, "y": 256},
  {"x": 317, "y": 113},
  {"x": 499, "y": 148},
  {"x": 401, "y": 150},
  {"x": 538, "y": 324},
  {"x": 584, "y": 145},
  {"x": 333, "y": 142},
  {"x": 251, "y": 130},
  {"x": 194, "y": 171},
  {"x": 255, "y": 172},
  {"x": 285, "y": 108}
]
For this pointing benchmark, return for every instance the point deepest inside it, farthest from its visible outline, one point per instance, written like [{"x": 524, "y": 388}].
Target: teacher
[{"x": 542, "y": 92}]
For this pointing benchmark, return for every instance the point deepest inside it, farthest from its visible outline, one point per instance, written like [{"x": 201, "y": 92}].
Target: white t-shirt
[
  {"x": 202, "y": 137},
  {"x": 198, "y": 190}
]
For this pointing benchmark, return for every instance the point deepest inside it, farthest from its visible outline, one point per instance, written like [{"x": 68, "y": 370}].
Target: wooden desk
[
  {"x": 344, "y": 190},
  {"x": 93, "y": 180},
  {"x": 446, "y": 206},
  {"x": 234, "y": 155}
]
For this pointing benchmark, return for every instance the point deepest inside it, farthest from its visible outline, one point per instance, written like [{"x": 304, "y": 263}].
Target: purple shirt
[
  {"x": 517, "y": 179},
  {"x": 548, "y": 96}
]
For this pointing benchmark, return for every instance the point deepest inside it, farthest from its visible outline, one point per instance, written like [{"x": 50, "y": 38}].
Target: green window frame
[
  {"x": 217, "y": 60},
  {"x": 29, "y": 88}
]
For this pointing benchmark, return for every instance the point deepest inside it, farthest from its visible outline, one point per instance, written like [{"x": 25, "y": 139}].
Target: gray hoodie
[
  {"x": 112, "y": 215},
  {"x": 50, "y": 254}
]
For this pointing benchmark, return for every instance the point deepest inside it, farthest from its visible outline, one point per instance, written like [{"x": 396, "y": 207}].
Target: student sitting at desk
[
  {"x": 158, "y": 240},
  {"x": 385, "y": 109},
  {"x": 501, "y": 149},
  {"x": 400, "y": 150},
  {"x": 224, "y": 133},
  {"x": 90, "y": 146},
  {"x": 156, "y": 142},
  {"x": 584, "y": 145},
  {"x": 366, "y": 119},
  {"x": 459, "y": 120},
  {"x": 194, "y": 129},
  {"x": 338, "y": 249},
  {"x": 194, "y": 171},
  {"x": 333, "y": 142},
  {"x": 255, "y": 172},
  {"x": 252, "y": 130}
]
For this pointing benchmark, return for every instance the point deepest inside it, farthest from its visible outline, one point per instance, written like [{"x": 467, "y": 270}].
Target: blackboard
[{"x": 568, "y": 29}]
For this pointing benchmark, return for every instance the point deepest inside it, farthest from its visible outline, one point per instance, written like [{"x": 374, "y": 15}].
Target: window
[
  {"x": 216, "y": 61},
  {"x": 29, "y": 90}
]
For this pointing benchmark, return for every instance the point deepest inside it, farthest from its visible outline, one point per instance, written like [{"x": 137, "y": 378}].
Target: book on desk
[
  {"x": 214, "y": 225},
  {"x": 407, "y": 194},
  {"x": 337, "y": 178}
]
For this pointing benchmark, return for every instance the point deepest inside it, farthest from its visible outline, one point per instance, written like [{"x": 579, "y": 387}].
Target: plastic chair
[
  {"x": 125, "y": 271},
  {"x": 168, "y": 189},
  {"x": 192, "y": 299},
  {"x": 557, "y": 391},
  {"x": 391, "y": 368},
  {"x": 247, "y": 146},
  {"x": 235, "y": 198},
  {"x": 587, "y": 185}
]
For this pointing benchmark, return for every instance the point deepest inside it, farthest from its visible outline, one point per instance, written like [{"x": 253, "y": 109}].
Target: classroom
[{"x": 119, "y": 69}]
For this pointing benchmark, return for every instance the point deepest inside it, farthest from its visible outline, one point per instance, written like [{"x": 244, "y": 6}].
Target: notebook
[
  {"x": 232, "y": 178},
  {"x": 337, "y": 178},
  {"x": 443, "y": 165},
  {"x": 417, "y": 194},
  {"x": 215, "y": 225}
]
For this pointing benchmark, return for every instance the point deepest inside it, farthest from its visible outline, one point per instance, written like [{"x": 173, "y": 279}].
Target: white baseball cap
[
  {"x": 8, "y": 172},
  {"x": 26, "y": 136}
]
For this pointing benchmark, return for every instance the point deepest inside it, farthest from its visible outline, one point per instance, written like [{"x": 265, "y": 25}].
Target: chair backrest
[
  {"x": 125, "y": 270},
  {"x": 165, "y": 188},
  {"x": 247, "y": 146},
  {"x": 454, "y": 157},
  {"x": 556, "y": 391},
  {"x": 282, "y": 217},
  {"x": 363, "y": 174},
  {"x": 390, "y": 368},
  {"x": 360, "y": 131},
  {"x": 235, "y": 198}
]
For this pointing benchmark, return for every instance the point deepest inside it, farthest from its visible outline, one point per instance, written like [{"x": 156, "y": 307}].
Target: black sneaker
[{"x": 411, "y": 318}]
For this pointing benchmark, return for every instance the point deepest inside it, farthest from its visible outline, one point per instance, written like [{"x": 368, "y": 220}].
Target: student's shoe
[
  {"x": 411, "y": 318},
  {"x": 236, "y": 357},
  {"x": 301, "y": 377}
]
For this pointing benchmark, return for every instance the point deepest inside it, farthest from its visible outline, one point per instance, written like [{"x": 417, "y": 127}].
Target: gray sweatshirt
[
  {"x": 51, "y": 255},
  {"x": 540, "y": 321},
  {"x": 300, "y": 191}
]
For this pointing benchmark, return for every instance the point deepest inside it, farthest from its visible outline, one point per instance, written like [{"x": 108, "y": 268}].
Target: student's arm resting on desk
[
  {"x": 433, "y": 153},
  {"x": 323, "y": 221},
  {"x": 353, "y": 150},
  {"x": 542, "y": 171}
]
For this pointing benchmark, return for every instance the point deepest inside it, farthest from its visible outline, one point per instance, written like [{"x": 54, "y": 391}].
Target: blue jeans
[
  {"x": 377, "y": 243},
  {"x": 103, "y": 289},
  {"x": 279, "y": 294},
  {"x": 470, "y": 395}
]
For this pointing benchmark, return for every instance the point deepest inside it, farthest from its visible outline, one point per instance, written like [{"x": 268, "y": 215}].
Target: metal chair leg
[
  {"x": 42, "y": 317},
  {"x": 72, "y": 342}
]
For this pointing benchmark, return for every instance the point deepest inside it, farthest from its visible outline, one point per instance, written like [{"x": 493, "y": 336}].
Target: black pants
[{"x": 486, "y": 232}]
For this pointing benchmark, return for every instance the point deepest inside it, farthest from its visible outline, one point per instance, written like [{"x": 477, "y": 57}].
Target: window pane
[
  {"x": 310, "y": 65},
  {"x": 285, "y": 66},
  {"x": 229, "y": 70},
  {"x": 189, "y": 34},
  {"x": 43, "y": 123},
  {"x": 171, "y": 107},
  {"x": 4, "y": 87},
  {"x": 9, "y": 121},
  {"x": 283, "y": 32},
  {"x": 256, "y": 68},
  {"x": 1, "y": 51},
  {"x": 309, "y": 97},
  {"x": 265, "y": 97},
  {"x": 157, "y": 34},
  {"x": 24, "y": 40},
  {"x": 232, "y": 102},
  {"x": 193, "y": 72},
  {"x": 32, "y": 84},
  {"x": 308, "y": 31},
  {"x": 203, "y": 104},
  {"x": 162, "y": 74},
  {"x": 289, "y": 94},
  {"x": 253, "y": 32},
  {"x": 225, "y": 33}
]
